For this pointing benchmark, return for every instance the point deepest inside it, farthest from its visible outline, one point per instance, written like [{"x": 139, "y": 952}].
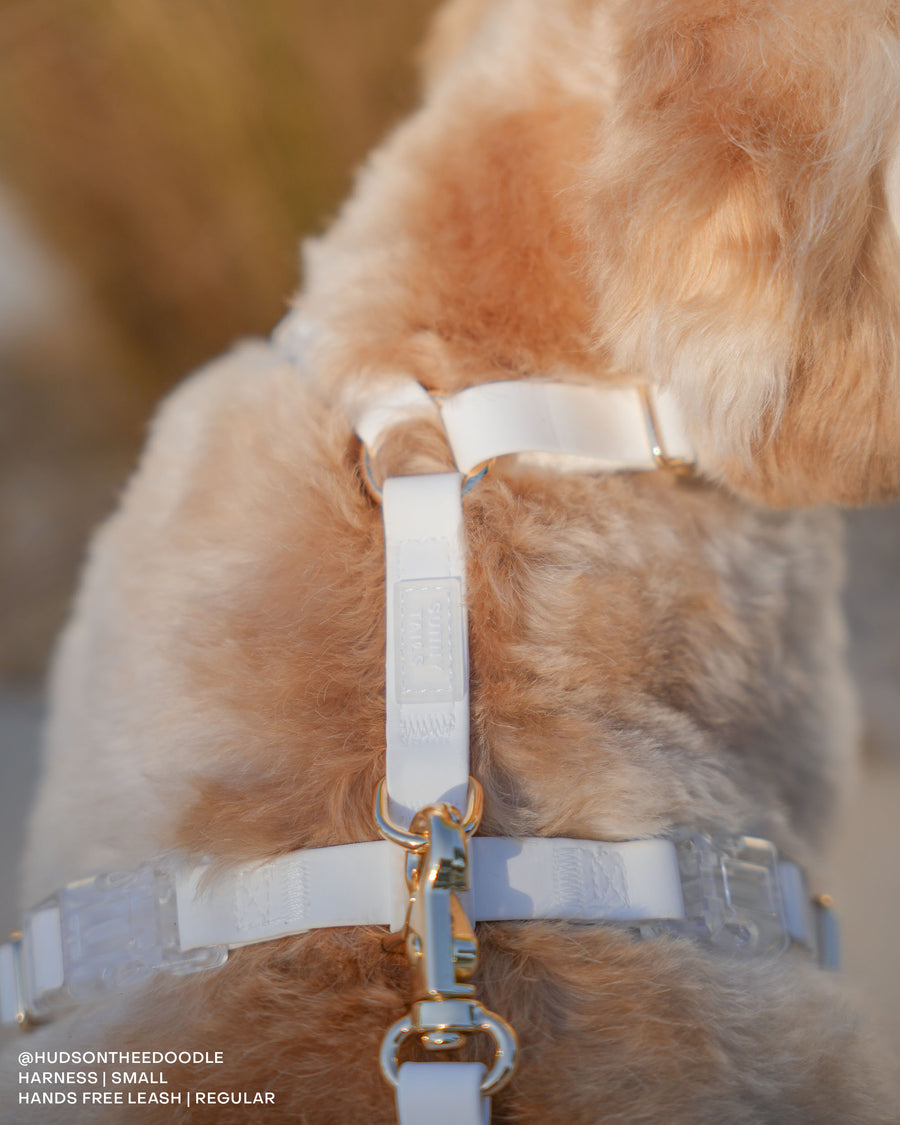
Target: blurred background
[{"x": 159, "y": 165}]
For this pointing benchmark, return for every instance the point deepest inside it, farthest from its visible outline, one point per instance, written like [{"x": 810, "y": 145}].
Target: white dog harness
[{"x": 427, "y": 878}]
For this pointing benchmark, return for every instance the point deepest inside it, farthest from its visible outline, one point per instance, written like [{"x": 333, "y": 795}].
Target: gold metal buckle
[
  {"x": 440, "y": 942},
  {"x": 417, "y": 841},
  {"x": 654, "y": 437},
  {"x": 376, "y": 492}
]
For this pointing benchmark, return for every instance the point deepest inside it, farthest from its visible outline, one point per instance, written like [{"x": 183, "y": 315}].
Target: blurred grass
[
  {"x": 172, "y": 155},
  {"x": 175, "y": 152}
]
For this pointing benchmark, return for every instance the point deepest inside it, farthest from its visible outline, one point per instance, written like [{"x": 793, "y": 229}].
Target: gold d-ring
[
  {"x": 413, "y": 841},
  {"x": 459, "y": 1016}
]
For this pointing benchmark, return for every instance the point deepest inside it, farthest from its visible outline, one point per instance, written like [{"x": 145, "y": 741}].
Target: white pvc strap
[
  {"x": 375, "y": 409},
  {"x": 12, "y": 998},
  {"x": 348, "y": 885},
  {"x": 358, "y": 885},
  {"x": 426, "y": 660},
  {"x": 603, "y": 427},
  {"x": 42, "y": 953},
  {"x": 570, "y": 426},
  {"x": 363, "y": 884},
  {"x": 442, "y": 1094}
]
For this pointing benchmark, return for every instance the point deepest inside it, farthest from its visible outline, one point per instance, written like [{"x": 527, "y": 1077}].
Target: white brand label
[{"x": 429, "y": 641}]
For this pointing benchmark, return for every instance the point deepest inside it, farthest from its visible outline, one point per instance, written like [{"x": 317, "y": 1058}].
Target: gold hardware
[
  {"x": 825, "y": 901},
  {"x": 477, "y": 475},
  {"x": 416, "y": 841},
  {"x": 657, "y": 449},
  {"x": 456, "y": 1019},
  {"x": 374, "y": 490},
  {"x": 440, "y": 942}
]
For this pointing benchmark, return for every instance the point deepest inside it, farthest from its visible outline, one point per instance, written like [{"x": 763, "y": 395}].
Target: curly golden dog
[{"x": 699, "y": 195}]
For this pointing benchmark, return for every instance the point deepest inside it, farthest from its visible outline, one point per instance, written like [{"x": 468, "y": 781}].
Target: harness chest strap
[{"x": 115, "y": 931}]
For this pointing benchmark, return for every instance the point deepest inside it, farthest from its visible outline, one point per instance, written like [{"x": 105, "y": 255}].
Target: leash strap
[{"x": 442, "y": 1094}]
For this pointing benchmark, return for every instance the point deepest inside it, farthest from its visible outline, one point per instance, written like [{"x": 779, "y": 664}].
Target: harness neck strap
[{"x": 571, "y": 427}]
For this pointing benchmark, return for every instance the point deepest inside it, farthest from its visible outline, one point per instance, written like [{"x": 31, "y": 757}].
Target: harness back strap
[{"x": 426, "y": 664}]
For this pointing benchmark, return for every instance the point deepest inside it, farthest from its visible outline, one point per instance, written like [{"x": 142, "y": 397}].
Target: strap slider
[{"x": 100, "y": 935}]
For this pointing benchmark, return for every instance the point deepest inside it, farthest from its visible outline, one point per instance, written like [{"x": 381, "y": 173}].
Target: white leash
[{"x": 442, "y": 1094}]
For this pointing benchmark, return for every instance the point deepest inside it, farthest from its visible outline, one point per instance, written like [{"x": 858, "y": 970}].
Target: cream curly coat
[{"x": 692, "y": 192}]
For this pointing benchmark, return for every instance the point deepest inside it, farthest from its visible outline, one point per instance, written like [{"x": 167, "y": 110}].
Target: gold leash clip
[{"x": 440, "y": 942}]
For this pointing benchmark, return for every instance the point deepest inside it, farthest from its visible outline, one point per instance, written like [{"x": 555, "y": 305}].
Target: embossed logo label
[
  {"x": 585, "y": 880},
  {"x": 261, "y": 899},
  {"x": 430, "y": 662}
]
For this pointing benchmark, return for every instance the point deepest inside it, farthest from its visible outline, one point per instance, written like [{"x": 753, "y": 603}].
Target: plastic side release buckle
[
  {"x": 732, "y": 894},
  {"x": 109, "y": 933}
]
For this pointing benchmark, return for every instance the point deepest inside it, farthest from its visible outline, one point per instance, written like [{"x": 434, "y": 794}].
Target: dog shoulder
[{"x": 119, "y": 715}]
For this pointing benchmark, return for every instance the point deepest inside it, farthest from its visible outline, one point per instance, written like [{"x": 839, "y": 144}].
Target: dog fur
[{"x": 694, "y": 193}]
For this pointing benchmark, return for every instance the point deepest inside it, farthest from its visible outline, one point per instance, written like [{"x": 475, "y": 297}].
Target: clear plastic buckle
[
  {"x": 117, "y": 930},
  {"x": 732, "y": 894}
]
